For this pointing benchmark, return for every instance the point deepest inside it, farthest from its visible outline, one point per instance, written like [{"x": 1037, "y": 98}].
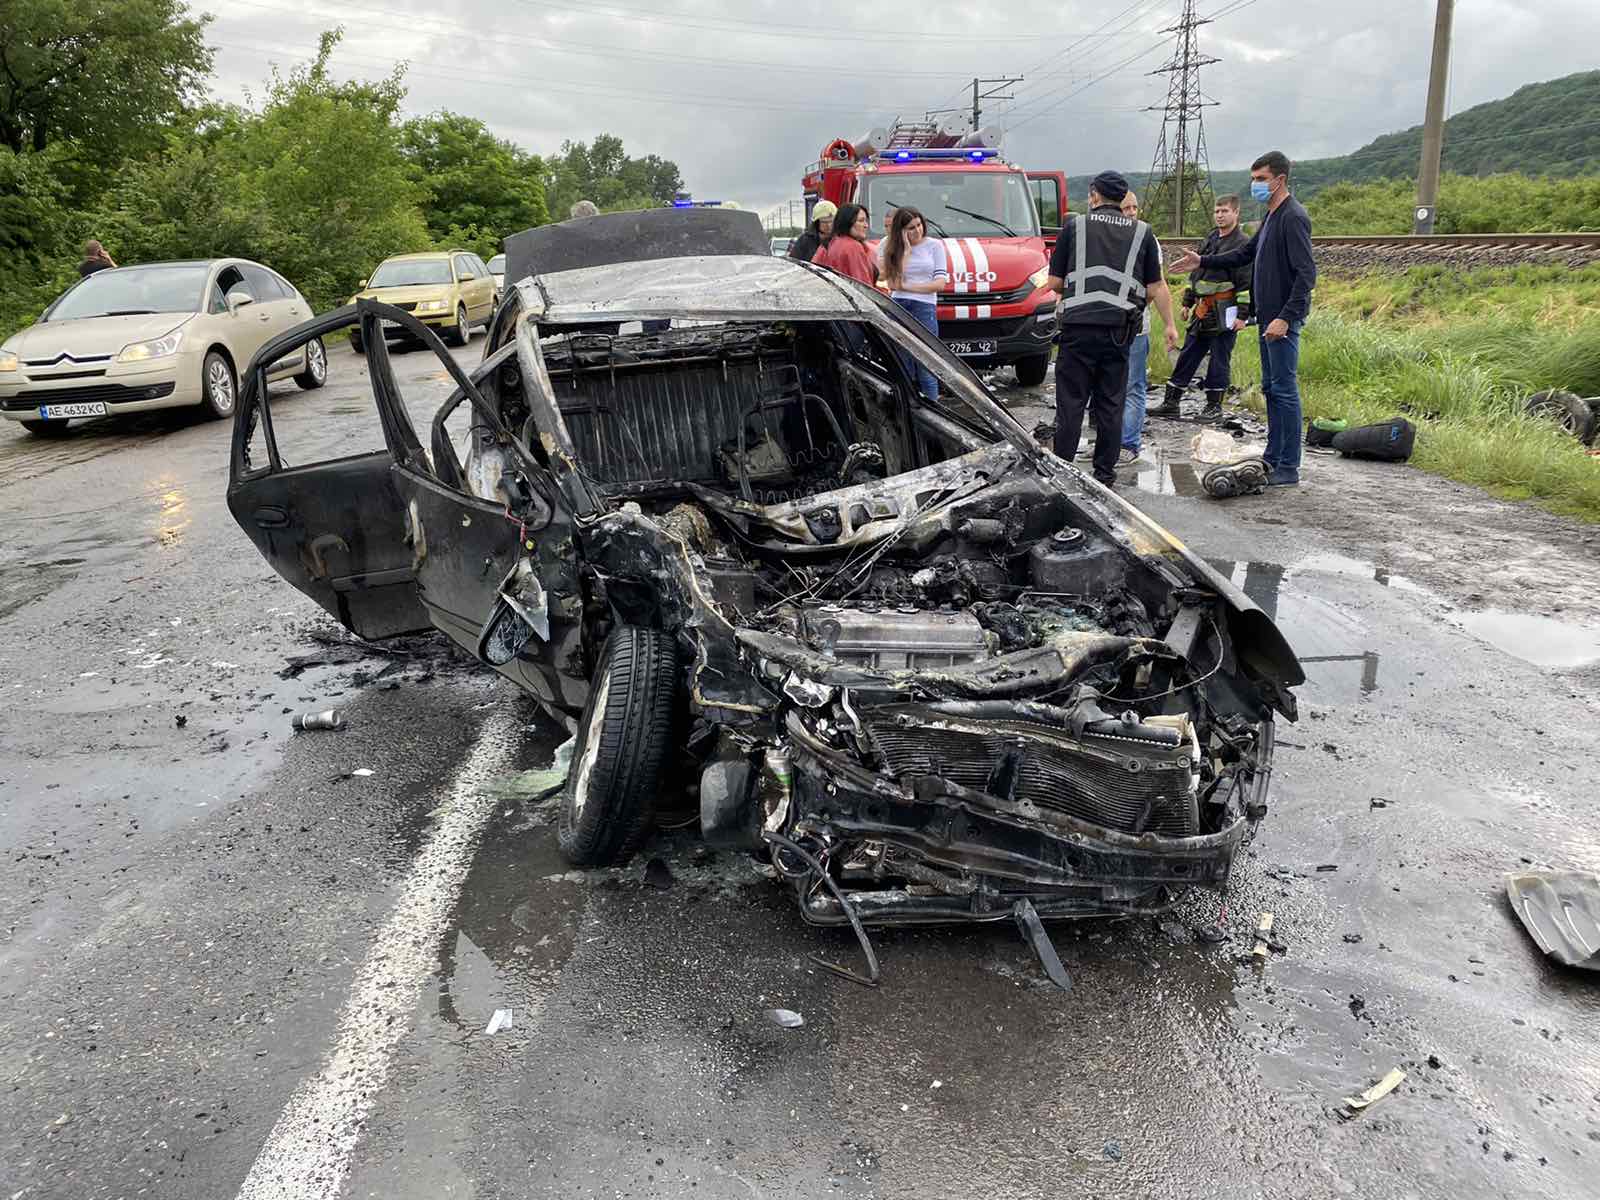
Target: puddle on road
[{"x": 1543, "y": 641}]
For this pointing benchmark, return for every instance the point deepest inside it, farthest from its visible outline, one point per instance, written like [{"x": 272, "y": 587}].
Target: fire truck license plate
[{"x": 981, "y": 346}]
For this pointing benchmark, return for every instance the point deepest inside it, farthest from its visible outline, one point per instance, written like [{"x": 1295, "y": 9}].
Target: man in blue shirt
[{"x": 1285, "y": 273}]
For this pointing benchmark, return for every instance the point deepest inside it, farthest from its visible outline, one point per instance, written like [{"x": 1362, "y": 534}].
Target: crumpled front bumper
[{"x": 1000, "y": 850}]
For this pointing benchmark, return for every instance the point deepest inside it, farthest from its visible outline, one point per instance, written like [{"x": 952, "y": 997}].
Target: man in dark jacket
[
  {"x": 1106, "y": 268},
  {"x": 1215, "y": 306},
  {"x": 1285, "y": 273}
]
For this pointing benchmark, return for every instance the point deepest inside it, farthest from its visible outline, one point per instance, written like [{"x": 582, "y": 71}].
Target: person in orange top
[{"x": 846, "y": 251}]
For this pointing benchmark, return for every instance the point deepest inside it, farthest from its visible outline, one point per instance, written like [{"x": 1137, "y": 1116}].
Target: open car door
[
  {"x": 1049, "y": 191},
  {"x": 333, "y": 528}
]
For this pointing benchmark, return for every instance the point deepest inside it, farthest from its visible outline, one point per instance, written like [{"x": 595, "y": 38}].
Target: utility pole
[
  {"x": 1433, "y": 123},
  {"x": 993, "y": 94},
  {"x": 1177, "y": 150}
]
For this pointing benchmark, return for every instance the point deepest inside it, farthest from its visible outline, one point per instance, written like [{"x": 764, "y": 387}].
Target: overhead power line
[
  {"x": 482, "y": 34},
  {"x": 527, "y": 84},
  {"x": 1182, "y": 144},
  {"x": 812, "y": 33}
]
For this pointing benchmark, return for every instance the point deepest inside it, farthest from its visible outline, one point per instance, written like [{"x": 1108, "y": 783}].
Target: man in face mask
[
  {"x": 1215, "y": 307},
  {"x": 1281, "y": 287}
]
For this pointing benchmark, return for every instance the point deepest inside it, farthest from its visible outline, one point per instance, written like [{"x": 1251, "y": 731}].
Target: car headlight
[
  {"x": 433, "y": 305},
  {"x": 159, "y": 347},
  {"x": 8, "y": 360},
  {"x": 1039, "y": 276}
]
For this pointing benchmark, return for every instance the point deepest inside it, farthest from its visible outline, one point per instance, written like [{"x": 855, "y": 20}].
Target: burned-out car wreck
[{"x": 932, "y": 671}]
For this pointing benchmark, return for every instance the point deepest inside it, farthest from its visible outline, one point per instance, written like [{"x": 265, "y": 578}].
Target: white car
[
  {"x": 161, "y": 335},
  {"x": 497, "y": 268}
]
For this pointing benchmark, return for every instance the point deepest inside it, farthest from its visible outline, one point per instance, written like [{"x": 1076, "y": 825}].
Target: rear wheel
[
  {"x": 316, "y": 372},
  {"x": 218, "y": 385},
  {"x": 46, "y": 428},
  {"x": 462, "y": 333},
  {"x": 1031, "y": 371},
  {"x": 623, "y": 740},
  {"x": 355, "y": 342}
]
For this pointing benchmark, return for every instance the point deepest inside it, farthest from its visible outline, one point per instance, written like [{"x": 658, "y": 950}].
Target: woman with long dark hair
[
  {"x": 846, "y": 251},
  {"x": 916, "y": 272}
]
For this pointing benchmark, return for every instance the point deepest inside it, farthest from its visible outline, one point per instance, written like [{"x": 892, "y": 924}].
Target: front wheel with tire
[
  {"x": 622, "y": 743},
  {"x": 316, "y": 372},
  {"x": 355, "y": 342},
  {"x": 1031, "y": 371},
  {"x": 46, "y": 428},
  {"x": 218, "y": 385},
  {"x": 462, "y": 333}
]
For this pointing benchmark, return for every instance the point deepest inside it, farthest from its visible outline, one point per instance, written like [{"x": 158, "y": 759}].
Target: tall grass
[{"x": 1457, "y": 353}]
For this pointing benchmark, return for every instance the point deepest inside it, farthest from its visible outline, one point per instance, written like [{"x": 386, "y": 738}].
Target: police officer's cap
[{"x": 1111, "y": 185}]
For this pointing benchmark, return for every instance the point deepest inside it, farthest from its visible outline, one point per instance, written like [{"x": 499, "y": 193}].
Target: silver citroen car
[{"x": 161, "y": 335}]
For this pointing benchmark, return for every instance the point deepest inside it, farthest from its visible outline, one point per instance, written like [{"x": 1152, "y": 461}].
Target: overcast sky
[{"x": 742, "y": 94}]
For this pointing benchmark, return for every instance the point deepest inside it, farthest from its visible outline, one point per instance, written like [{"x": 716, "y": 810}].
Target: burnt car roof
[
  {"x": 699, "y": 287},
  {"x": 633, "y": 237}
]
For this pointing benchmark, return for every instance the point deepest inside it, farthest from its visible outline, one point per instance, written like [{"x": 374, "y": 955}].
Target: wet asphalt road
[{"x": 231, "y": 967}]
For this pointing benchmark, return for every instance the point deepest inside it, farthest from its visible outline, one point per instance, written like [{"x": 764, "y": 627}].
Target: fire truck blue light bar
[{"x": 947, "y": 154}]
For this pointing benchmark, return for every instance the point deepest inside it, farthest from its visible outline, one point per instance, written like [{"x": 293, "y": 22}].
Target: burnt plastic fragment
[{"x": 1033, "y": 930}]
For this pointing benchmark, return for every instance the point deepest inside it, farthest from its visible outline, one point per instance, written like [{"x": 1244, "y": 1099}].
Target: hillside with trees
[{"x": 1549, "y": 129}]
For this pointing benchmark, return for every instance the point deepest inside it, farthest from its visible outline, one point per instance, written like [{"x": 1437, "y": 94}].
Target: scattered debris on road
[
  {"x": 501, "y": 1020},
  {"x": 1561, "y": 912},
  {"x": 1263, "y": 933},
  {"x": 1376, "y": 1092},
  {"x": 329, "y": 719},
  {"x": 785, "y": 1017}
]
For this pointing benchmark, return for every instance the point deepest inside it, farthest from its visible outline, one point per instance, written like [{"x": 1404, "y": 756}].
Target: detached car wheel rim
[{"x": 221, "y": 385}]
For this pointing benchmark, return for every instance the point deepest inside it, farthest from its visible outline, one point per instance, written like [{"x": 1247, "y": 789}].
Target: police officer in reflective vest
[{"x": 1107, "y": 267}]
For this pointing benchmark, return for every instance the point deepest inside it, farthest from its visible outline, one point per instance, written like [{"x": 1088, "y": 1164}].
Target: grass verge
[{"x": 1457, "y": 353}]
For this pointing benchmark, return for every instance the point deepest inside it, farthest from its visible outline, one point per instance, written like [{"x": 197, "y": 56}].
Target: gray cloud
[{"x": 743, "y": 95}]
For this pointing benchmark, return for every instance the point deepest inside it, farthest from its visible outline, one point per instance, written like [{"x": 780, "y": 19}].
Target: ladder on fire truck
[{"x": 912, "y": 135}]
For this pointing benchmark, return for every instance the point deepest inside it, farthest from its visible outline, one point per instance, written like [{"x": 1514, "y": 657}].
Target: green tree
[
  {"x": 602, "y": 171},
  {"x": 481, "y": 188},
  {"x": 107, "y": 73},
  {"x": 316, "y": 185}
]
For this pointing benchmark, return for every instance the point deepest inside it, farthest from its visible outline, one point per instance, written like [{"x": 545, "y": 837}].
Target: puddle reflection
[{"x": 1321, "y": 633}]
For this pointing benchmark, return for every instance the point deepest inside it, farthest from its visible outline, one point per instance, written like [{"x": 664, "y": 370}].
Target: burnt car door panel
[
  {"x": 335, "y": 530},
  {"x": 491, "y": 543}
]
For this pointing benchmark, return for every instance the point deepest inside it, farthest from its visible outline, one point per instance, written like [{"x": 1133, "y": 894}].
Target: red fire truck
[{"x": 996, "y": 222}]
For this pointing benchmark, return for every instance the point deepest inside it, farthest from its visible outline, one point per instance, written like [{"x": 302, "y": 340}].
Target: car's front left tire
[
  {"x": 316, "y": 372},
  {"x": 621, "y": 747},
  {"x": 462, "y": 333},
  {"x": 219, "y": 386}
]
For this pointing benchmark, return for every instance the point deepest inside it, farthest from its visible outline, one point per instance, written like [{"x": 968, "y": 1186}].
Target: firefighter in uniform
[
  {"x": 1106, "y": 267},
  {"x": 1212, "y": 292}
]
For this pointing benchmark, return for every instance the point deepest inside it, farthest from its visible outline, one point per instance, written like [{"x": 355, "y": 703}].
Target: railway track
[{"x": 1465, "y": 249}]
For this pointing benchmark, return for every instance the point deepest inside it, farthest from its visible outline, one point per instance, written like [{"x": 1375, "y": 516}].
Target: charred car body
[{"x": 900, "y": 643}]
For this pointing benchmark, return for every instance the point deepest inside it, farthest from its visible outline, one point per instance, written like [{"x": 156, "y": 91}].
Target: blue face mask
[{"x": 1260, "y": 190}]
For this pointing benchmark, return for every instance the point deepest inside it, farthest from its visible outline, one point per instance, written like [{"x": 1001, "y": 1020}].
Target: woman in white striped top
[{"x": 915, "y": 270}]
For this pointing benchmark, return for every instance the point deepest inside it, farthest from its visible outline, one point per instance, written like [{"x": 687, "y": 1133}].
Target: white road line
[{"x": 308, "y": 1152}]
